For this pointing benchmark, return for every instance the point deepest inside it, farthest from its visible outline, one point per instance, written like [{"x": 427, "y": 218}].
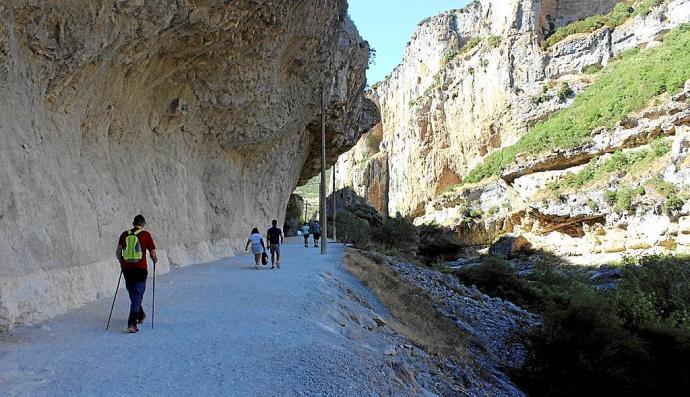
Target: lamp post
[
  {"x": 335, "y": 238},
  {"x": 322, "y": 185}
]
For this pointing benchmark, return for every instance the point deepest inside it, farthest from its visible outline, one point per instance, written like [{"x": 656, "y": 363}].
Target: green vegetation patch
[
  {"x": 620, "y": 13},
  {"x": 598, "y": 170},
  {"x": 633, "y": 339},
  {"x": 374, "y": 142},
  {"x": 471, "y": 43},
  {"x": 626, "y": 86},
  {"x": 674, "y": 200},
  {"x": 494, "y": 41}
]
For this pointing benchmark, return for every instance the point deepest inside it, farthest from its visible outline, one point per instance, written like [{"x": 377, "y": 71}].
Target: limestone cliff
[
  {"x": 476, "y": 80},
  {"x": 200, "y": 115}
]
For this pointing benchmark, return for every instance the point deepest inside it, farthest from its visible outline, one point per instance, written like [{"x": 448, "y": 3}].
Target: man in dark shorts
[
  {"x": 275, "y": 239},
  {"x": 131, "y": 253},
  {"x": 316, "y": 232}
]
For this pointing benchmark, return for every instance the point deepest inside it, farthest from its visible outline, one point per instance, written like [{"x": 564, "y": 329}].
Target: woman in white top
[{"x": 258, "y": 246}]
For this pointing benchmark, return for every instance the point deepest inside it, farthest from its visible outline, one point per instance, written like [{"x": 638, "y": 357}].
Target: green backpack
[{"x": 132, "y": 251}]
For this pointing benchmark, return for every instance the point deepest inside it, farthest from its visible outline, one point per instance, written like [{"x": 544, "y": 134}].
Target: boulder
[
  {"x": 637, "y": 244},
  {"x": 684, "y": 225},
  {"x": 509, "y": 247},
  {"x": 683, "y": 239},
  {"x": 612, "y": 246}
]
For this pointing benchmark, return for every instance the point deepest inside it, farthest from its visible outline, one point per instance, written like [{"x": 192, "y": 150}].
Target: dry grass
[{"x": 416, "y": 318}]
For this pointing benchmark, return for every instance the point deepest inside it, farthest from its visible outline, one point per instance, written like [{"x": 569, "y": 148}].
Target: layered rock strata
[
  {"x": 475, "y": 80},
  {"x": 639, "y": 209},
  {"x": 203, "y": 117}
]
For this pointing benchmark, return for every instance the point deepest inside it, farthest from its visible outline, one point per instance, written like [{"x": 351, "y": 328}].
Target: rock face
[
  {"x": 449, "y": 104},
  {"x": 476, "y": 80},
  {"x": 202, "y": 117},
  {"x": 294, "y": 215}
]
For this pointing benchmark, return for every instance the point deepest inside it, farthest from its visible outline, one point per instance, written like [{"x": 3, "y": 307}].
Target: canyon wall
[
  {"x": 203, "y": 116},
  {"x": 475, "y": 80}
]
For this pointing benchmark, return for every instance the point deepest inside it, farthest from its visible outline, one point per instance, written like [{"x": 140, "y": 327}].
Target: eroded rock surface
[
  {"x": 203, "y": 117},
  {"x": 448, "y": 104}
]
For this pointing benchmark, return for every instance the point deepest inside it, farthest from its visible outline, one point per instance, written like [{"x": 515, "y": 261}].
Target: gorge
[{"x": 504, "y": 117}]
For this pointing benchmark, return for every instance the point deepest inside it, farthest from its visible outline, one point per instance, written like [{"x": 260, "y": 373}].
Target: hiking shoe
[
  {"x": 141, "y": 317},
  {"x": 132, "y": 329}
]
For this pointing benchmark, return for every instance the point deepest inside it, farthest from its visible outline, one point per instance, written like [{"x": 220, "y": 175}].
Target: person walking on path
[
  {"x": 305, "y": 233},
  {"x": 275, "y": 239},
  {"x": 258, "y": 246},
  {"x": 316, "y": 232},
  {"x": 132, "y": 247}
]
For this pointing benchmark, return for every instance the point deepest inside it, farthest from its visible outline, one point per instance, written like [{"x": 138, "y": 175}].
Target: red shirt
[{"x": 146, "y": 242}]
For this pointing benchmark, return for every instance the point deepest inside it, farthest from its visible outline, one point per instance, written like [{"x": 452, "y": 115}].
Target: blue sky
[{"x": 388, "y": 25}]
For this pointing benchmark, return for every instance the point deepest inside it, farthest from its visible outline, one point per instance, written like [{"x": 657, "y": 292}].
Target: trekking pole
[
  {"x": 115, "y": 297},
  {"x": 153, "y": 301}
]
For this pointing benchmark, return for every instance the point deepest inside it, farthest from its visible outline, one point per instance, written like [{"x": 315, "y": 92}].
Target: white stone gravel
[{"x": 221, "y": 328}]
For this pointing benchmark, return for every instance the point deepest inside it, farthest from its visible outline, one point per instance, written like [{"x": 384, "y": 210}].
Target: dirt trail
[{"x": 221, "y": 328}]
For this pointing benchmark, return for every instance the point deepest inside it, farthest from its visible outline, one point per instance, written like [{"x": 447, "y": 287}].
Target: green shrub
[
  {"x": 672, "y": 204},
  {"x": 494, "y": 41},
  {"x": 592, "y": 205},
  {"x": 397, "y": 233},
  {"x": 625, "y": 198},
  {"x": 632, "y": 340},
  {"x": 592, "y": 69},
  {"x": 448, "y": 56},
  {"x": 662, "y": 187},
  {"x": 564, "y": 92},
  {"x": 610, "y": 197},
  {"x": 471, "y": 43},
  {"x": 374, "y": 142},
  {"x": 353, "y": 230},
  {"x": 626, "y": 86},
  {"x": 542, "y": 98}
]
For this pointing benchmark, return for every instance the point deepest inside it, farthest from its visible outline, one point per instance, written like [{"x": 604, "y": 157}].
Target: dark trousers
[{"x": 135, "y": 281}]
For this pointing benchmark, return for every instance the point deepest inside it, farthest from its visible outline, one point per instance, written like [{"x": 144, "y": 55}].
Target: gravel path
[{"x": 221, "y": 328}]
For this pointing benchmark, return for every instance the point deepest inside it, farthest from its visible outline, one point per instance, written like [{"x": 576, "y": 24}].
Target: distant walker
[
  {"x": 305, "y": 233},
  {"x": 316, "y": 232}
]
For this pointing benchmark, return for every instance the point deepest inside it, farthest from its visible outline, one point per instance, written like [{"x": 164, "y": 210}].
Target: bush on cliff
[
  {"x": 621, "y": 12},
  {"x": 632, "y": 340},
  {"x": 625, "y": 86}
]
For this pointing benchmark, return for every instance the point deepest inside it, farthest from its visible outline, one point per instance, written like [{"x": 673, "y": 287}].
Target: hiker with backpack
[
  {"x": 258, "y": 246},
  {"x": 305, "y": 233},
  {"x": 132, "y": 247},
  {"x": 316, "y": 232},
  {"x": 275, "y": 239}
]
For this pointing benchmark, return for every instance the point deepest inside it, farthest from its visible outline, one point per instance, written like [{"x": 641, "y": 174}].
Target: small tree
[
  {"x": 397, "y": 233},
  {"x": 352, "y": 229}
]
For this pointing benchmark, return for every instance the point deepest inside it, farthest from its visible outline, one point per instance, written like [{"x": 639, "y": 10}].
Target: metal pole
[
  {"x": 335, "y": 238},
  {"x": 114, "y": 297},
  {"x": 153, "y": 305},
  {"x": 322, "y": 187}
]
